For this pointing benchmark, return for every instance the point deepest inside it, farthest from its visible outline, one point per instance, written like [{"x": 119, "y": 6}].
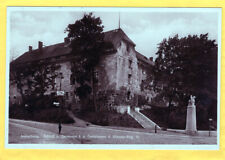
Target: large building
[{"x": 122, "y": 75}]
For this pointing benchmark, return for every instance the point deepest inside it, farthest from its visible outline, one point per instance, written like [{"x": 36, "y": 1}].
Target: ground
[{"x": 30, "y": 132}]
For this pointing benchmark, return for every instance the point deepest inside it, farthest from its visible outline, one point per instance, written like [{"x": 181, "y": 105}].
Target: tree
[
  {"x": 38, "y": 77},
  {"x": 88, "y": 46},
  {"x": 187, "y": 66}
]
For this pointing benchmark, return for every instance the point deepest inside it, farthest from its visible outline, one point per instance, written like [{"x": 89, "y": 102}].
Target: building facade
[{"x": 122, "y": 76}]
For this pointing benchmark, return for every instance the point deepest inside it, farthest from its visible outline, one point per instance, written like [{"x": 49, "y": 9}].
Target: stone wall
[
  {"x": 127, "y": 68},
  {"x": 70, "y": 98},
  {"x": 106, "y": 73}
]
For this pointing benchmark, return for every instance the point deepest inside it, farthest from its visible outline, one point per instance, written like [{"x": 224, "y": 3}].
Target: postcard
[{"x": 113, "y": 78}]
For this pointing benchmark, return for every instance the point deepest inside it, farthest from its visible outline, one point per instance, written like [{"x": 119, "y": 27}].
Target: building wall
[
  {"x": 70, "y": 97},
  {"x": 106, "y": 71},
  {"x": 119, "y": 75},
  {"x": 64, "y": 82},
  {"x": 14, "y": 95},
  {"x": 127, "y": 68}
]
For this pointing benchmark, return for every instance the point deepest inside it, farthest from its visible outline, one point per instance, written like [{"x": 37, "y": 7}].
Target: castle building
[{"x": 122, "y": 75}]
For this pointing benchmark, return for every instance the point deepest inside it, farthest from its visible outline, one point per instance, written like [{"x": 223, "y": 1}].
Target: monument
[{"x": 191, "y": 128}]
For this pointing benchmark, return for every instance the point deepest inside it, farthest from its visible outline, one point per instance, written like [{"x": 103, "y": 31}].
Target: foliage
[
  {"x": 41, "y": 115},
  {"x": 88, "y": 46},
  {"x": 187, "y": 66},
  {"x": 38, "y": 77},
  {"x": 177, "y": 117},
  {"x": 108, "y": 118}
]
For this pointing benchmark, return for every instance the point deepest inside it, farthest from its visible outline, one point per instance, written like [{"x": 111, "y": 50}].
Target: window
[
  {"x": 128, "y": 95},
  {"x": 67, "y": 95},
  {"x": 96, "y": 75},
  {"x": 128, "y": 48},
  {"x": 129, "y": 78},
  {"x": 26, "y": 91},
  {"x": 72, "y": 80},
  {"x": 130, "y": 63}
]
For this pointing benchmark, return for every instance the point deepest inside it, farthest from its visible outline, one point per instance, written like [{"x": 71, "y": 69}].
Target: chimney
[
  {"x": 30, "y": 48},
  {"x": 66, "y": 40},
  {"x": 40, "y": 45},
  {"x": 151, "y": 59}
]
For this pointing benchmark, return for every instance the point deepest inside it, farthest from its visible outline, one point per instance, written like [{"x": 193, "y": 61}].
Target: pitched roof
[
  {"x": 143, "y": 58},
  {"x": 60, "y": 49},
  {"x": 115, "y": 36},
  {"x": 47, "y": 52}
]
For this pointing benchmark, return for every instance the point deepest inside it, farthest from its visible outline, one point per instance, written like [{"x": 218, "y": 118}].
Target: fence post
[{"x": 210, "y": 121}]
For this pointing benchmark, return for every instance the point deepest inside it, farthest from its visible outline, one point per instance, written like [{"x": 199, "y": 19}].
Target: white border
[{"x": 112, "y": 146}]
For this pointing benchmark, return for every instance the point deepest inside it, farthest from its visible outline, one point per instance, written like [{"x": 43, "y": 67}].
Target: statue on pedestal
[
  {"x": 191, "y": 127},
  {"x": 192, "y": 101}
]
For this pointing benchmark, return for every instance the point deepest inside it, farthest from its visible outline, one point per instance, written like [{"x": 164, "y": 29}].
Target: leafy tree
[
  {"x": 187, "y": 66},
  {"x": 37, "y": 77},
  {"x": 88, "y": 46}
]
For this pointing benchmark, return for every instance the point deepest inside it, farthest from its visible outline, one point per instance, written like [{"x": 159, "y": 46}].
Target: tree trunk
[
  {"x": 93, "y": 90},
  {"x": 169, "y": 111},
  {"x": 19, "y": 86}
]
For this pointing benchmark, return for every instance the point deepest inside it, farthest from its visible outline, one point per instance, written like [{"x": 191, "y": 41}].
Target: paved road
[{"x": 30, "y": 132}]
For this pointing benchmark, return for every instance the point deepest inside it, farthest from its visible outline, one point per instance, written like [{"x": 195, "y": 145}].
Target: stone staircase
[{"x": 142, "y": 119}]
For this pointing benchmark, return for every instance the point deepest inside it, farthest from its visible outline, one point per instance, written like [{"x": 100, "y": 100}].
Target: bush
[
  {"x": 177, "y": 117},
  {"x": 142, "y": 100},
  {"x": 108, "y": 118},
  {"x": 157, "y": 115},
  {"x": 42, "y": 115}
]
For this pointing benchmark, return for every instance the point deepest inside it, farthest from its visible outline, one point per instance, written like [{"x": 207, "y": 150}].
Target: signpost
[
  {"x": 60, "y": 93},
  {"x": 56, "y": 104}
]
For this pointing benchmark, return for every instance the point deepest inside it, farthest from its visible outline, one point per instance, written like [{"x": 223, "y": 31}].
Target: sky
[{"x": 146, "y": 27}]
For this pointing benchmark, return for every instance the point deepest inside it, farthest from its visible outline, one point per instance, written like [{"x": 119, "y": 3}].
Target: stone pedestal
[
  {"x": 128, "y": 109},
  {"x": 191, "y": 128}
]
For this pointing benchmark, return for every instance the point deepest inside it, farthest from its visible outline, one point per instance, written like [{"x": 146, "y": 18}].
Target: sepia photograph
[{"x": 145, "y": 77}]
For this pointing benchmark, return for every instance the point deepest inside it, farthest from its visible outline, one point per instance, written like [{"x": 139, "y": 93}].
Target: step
[{"x": 144, "y": 121}]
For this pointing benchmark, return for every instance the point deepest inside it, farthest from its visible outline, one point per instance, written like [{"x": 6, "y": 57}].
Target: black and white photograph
[{"x": 124, "y": 78}]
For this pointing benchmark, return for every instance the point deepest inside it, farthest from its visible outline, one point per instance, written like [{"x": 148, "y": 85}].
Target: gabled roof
[{"x": 115, "y": 36}]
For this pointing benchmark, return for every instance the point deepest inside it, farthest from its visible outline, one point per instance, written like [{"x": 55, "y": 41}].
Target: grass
[
  {"x": 108, "y": 118},
  {"x": 177, "y": 118},
  {"x": 51, "y": 115}
]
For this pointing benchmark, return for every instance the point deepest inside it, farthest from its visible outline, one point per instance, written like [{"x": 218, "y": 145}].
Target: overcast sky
[{"x": 146, "y": 27}]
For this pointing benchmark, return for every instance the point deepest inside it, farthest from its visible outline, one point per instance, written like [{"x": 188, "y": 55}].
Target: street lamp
[{"x": 60, "y": 95}]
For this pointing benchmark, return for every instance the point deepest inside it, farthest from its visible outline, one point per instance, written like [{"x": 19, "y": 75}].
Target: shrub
[
  {"x": 108, "y": 118},
  {"x": 42, "y": 115}
]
